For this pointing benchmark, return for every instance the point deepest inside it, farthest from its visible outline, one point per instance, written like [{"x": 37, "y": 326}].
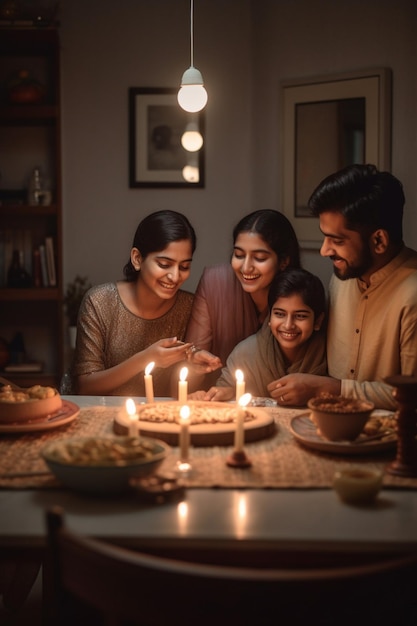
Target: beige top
[
  {"x": 108, "y": 334},
  {"x": 372, "y": 331},
  {"x": 262, "y": 361}
]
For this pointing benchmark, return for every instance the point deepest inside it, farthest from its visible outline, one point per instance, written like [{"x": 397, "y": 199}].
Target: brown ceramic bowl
[
  {"x": 338, "y": 418},
  {"x": 25, "y": 406}
]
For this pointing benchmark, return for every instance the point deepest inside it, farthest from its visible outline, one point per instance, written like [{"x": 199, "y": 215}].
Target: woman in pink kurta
[{"x": 231, "y": 300}]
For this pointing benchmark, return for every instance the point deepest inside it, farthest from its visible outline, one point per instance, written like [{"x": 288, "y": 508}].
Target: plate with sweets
[{"x": 379, "y": 435}]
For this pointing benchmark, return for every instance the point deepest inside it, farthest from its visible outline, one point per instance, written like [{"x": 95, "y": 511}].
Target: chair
[{"x": 95, "y": 582}]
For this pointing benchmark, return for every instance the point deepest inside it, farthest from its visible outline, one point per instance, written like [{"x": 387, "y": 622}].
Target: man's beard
[{"x": 356, "y": 271}]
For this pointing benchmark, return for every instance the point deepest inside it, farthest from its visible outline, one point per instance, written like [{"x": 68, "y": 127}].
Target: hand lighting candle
[
  {"x": 133, "y": 418},
  {"x": 183, "y": 386},
  {"x": 240, "y": 385},
  {"x": 148, "y": 382}
]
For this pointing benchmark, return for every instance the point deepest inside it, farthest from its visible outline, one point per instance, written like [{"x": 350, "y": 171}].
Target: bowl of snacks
[
  {"x": 22, "y": 405},
  {"x": 103, "y": 465},
  {"x": 339, "y": 418}
]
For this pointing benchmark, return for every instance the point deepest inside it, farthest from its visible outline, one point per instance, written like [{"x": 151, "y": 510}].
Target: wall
[
  {"x": 298, "y": 38},
  {"x": 109, "y": 47},
  {"x": 244, "y": 49}
]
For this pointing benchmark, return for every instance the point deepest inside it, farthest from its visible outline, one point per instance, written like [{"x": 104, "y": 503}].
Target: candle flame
[
  {"x": 149, "y": 368},
  {"x": 130, "y": 407},
  {"x": 183, "y": 373},
  {"x": 245, "y": 399},
  {"x": 185, "y": 412},
  {"x": 239, "y": 376}
]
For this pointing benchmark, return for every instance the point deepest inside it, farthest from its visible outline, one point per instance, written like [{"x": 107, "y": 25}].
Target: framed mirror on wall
[{"x": 329, "y": 122}]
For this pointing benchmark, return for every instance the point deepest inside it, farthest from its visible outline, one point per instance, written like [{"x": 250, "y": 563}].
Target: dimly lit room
[{"x": 208, "y": 312}]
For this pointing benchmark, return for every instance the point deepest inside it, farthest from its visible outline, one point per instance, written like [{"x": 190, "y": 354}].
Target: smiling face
[
  {"x": 254, "y": 262},
  {"x": 351, "y": 255},
  {"x": 292, "y": 323},
  {"x": 162, "y": 273}
]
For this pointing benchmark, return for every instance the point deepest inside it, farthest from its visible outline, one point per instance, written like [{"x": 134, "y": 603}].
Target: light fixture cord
[{"x": 192, "y": 32}]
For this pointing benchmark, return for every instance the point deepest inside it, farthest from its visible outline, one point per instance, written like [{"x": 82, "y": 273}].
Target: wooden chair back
[{"x": 96, "y": 582}]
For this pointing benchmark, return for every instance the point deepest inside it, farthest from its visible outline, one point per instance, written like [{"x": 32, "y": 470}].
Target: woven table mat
[{"x": 277, "y": 462}]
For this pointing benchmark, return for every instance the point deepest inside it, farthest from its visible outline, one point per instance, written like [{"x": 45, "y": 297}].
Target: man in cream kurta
[{"x": 372, "y": 332}]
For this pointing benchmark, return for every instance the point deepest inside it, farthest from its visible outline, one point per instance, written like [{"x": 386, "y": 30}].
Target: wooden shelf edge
[{"x": 31, "y": 293}]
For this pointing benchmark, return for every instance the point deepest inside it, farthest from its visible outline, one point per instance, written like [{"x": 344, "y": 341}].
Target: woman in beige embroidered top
[{"x": 124, "y": 326}]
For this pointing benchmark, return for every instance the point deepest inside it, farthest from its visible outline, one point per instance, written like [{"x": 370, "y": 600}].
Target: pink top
[{"x": 223, "y": 314}]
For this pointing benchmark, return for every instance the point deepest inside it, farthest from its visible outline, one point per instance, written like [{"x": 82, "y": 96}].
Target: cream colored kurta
[{"x": 372, "y": 332}]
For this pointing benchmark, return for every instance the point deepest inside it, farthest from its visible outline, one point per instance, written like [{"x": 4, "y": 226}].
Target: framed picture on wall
[
  {"x": 330, "y": 122},
  {"x": 157, "y": 156}
]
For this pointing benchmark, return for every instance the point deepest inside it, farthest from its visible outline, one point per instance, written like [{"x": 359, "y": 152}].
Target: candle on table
[
  {"x": 184, "y": 433},
  {"x": 183, "y": 386},
  {"x": 240, "y": 422},
  {"x": 133, "y": 418},
  {"x": 240, "y": 385},
  {"x": 149, "y": 382}
]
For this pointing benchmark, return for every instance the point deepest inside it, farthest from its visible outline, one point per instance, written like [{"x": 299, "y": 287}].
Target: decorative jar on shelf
[
  {"x": 17, "y": 276},
  {"x": 23, "y": 89}
]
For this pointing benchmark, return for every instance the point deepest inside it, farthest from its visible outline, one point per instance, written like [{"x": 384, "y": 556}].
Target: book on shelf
[
  {"x": 44, "y": 267},
  {"x": 50, "y": 261}
]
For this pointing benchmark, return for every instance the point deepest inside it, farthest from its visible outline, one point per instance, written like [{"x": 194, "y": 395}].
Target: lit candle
[
  {"x": 133, "y": 418},
  {"x": 240, "y": 385},
  {"x": 183, "y": 386},
  {"x": 148, "y": 382},
  {"x": 240, "y": 422},
  {"x": 184, "y": 433}
]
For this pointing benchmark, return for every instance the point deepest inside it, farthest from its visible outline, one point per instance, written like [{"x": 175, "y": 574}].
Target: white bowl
[{"x": 102, "y": 476}]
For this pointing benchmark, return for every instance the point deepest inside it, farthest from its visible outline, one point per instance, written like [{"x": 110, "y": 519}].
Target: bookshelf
[{"x": 31, "y": 216}]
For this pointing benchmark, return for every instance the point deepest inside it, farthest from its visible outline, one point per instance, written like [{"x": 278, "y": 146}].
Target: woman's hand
[
  {"x": 203, "y": 361},
  {"x": 214, "y": 394},
  {"x": 166, "y": 352},
  {"x": 219, "y": 394},
  {"x": 297, "y": 389}
]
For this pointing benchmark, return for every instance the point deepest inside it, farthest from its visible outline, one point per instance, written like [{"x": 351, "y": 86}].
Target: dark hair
[
  {"x": 275, "y": 229},
  {"x": 155, "y": 232},
  {"x": 302, "y": 282},
  {"x": 368, "y": 200}
]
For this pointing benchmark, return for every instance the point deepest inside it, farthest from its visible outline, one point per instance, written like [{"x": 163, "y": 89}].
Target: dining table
[{"x": 282, "y": 504}]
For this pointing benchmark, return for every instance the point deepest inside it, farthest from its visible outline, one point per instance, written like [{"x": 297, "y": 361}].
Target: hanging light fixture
[
  {"x": 192, "y": 96},
  {"x": 192, "y": 139}
]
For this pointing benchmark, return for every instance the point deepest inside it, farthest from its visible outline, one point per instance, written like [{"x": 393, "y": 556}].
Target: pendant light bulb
[{"x": 192, "y": 96}]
